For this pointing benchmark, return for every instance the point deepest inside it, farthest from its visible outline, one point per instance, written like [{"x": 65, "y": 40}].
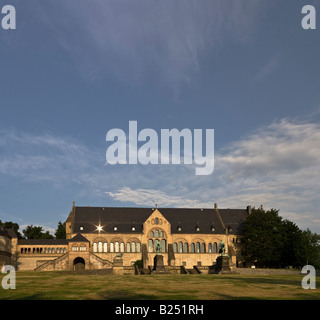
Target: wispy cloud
[
  {"x": 134, "y": 41},
  {"x": 277, "y": 166}
]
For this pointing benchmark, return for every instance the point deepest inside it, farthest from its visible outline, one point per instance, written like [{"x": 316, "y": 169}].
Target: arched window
[
  {"x": 111, "y": 247},
  {"x": 185, "y": 248},
  {"x": 65, "y": 250},
  {"x": 163, "y": 245},
  {"x": 180, "y": 247},
  {"x": 138, "y": 247},
  {"x": 100, "y": 246},
  {"x": 215, "y": 248},
  {"x": 210, "y": 248},
  {"x": 150, "y": 245},
  {"x": 49, "y": 250},
  {"x": 52, "y": 250},
  {"x": 198, "y": 247},
  {"x": 203, "y": 248},
  {"x": 121, "y": 247},
  {"x": 175, "y": 247},
  {"x": 156, "y": 221},
  {"x": 105, "y": 247},
  {"x": 161, "y": 234},
  {"x": 133, "y": 246},
  {"x": 116, "y": 247},
  {"x": 156, "y": 233},
  {"x": 83, "y": 248},
  {"x": 128, "y": 247},
  {"x": 193, "y": 248},
  {"x": 151, "y": 234},
  {"x": 95, "y": 247}
]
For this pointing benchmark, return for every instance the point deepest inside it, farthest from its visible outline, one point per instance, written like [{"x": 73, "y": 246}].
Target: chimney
[{"x": 249, "y": 209}]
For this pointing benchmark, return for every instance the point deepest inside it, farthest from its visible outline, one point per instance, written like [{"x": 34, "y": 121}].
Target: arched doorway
[{"x": 78, "y": 264}]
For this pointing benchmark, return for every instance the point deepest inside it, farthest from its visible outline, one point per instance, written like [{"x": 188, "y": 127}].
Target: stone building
[{"x": 98, "y": 237}]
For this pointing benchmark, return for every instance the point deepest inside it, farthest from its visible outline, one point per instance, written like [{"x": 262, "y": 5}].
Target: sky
[{"x": 73, "y": 70}]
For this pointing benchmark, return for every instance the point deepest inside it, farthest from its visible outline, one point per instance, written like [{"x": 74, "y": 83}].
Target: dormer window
[
  {"x": 115, "y": 228},
  {"x": 133, "y": 228},
  {"x": 197, "y": 228},
  {"x": 179, "y": 228},
  {"x": 81, "y": 228}
]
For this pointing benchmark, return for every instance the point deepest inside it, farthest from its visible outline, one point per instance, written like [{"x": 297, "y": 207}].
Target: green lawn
[{"x": 66, "y": 286}]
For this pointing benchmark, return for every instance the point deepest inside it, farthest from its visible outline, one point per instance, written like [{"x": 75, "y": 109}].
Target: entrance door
[{"x": 78, "y": 264}]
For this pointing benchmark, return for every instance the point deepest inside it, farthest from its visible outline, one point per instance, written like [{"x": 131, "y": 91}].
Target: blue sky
[{"x": 71, "y": 71}]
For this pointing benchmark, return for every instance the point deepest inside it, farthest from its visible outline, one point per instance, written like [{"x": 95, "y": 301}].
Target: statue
[
  {"x": 222, "y": 248},
  {"x": 119, "y": 255},
  {"x": 158, "y": 247}
]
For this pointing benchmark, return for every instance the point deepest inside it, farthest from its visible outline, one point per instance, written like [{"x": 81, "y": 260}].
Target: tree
[
  {"x": 36, "y": 232},
  {"x": 269, "y": 241},
  {"x": 11, "y": 225},
  {"x": 61, "y": 231},
  {"x": 262, "y": 238}
]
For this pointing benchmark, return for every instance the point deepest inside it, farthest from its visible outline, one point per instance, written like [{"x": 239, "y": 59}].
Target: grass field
[{"x": 73, "y": 286}]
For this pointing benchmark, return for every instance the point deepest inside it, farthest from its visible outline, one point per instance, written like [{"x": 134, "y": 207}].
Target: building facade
[{"x": 97, "y": 237}]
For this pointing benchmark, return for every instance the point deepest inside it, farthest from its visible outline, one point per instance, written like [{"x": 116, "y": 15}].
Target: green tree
[
  {"x": 270, "y": 241},
  {"x": 11, "y": 225},
  {"x": 61, "y": 231},
  {"x": 261, "y": 242},
  {"x": 36, "y": 232}
]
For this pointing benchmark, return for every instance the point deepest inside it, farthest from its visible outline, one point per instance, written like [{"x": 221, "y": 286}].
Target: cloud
[
  {"x": 150, "y": 197},
  {"x": 277, "y": 165},
  {"x": 142, "y": 41}
]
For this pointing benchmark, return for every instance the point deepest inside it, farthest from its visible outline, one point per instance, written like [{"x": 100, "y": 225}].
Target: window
[
  {"x": 111, "y": 247},
  {"x": 192, "y": 248},
  {"x": 128, "y": 247},
  {"x": 215, "y": 248},
  {"x": 185, "y": 248},
  {"x": 203, "y": 248},
  {"x": 197, "y": 247},
  {"x": 210, "y": 248},
  {"x": 83, "y": 248},
  {"x": 121, "y": 247},
  {"x": 179, "y": 228},
  {"x": 74, "y": 248},
  {"x": 180, "y": 247},
  {"x": 156, "y": 233},
  {"x": 175, "y": 247},
  {"x": 105, "y": 247},
  {"x": 133, "y": 228},
  {"x": 95, "y": 247},
  {"x": 100, "y": 246},
  {"x": 133, "y": 246},
  {"x": 116, "y": 247},
  {"x": 161, "y": 234},
  {"x": 115, "y": 228},
  {"x": 150, "y": 245},
  {"x": 138, "y": 247},
  {"x": 156, "y": 221},
  {"x": 163, "y": 245},
  {"x": 81, "y": 228}
]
